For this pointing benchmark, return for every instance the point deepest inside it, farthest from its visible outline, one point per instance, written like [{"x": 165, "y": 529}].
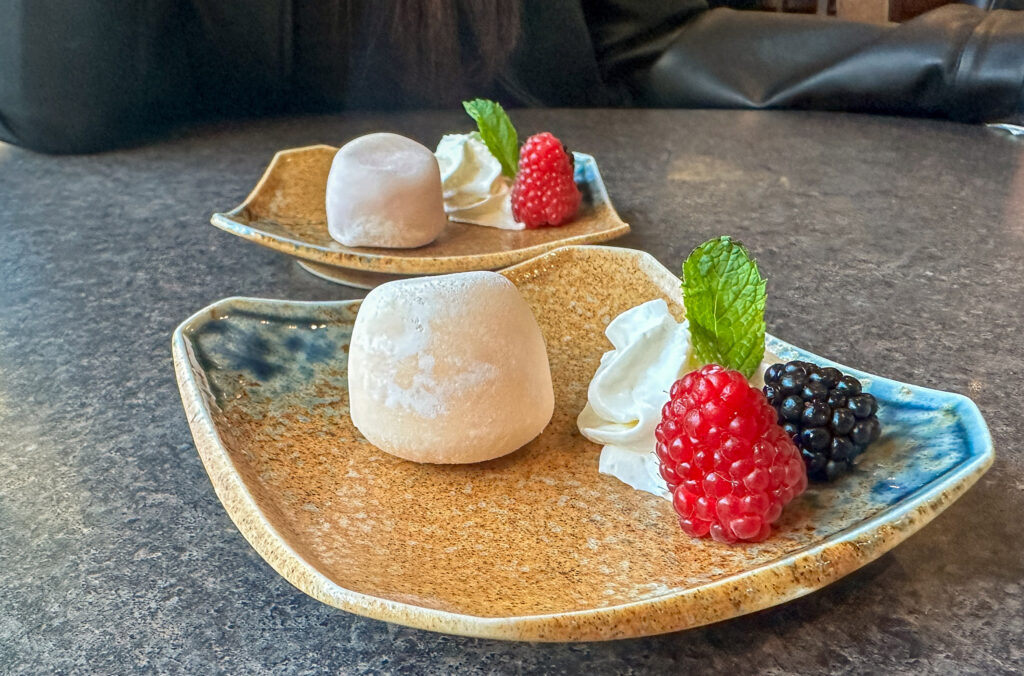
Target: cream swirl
[
  {"x": 651, "y": 351},
  {"x": 475, "y": 190}
]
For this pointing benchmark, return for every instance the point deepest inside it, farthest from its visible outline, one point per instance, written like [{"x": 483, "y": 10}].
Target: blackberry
[{"x": 827, "y": 413}]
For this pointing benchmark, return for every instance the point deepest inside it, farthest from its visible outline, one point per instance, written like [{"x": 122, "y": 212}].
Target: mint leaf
[
  {"x": 724, "y": 296},
  {"x": 497, "y": 132}
]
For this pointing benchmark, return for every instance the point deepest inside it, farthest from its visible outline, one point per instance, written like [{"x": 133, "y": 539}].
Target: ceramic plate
[
  {"x": 536, "y": 545},
  {"x": 285, "y": 211}
]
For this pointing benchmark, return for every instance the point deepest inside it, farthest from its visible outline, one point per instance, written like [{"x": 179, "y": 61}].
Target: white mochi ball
[
  {"x": 384, "y": 190},
  {"x": 448, "y": 369}
]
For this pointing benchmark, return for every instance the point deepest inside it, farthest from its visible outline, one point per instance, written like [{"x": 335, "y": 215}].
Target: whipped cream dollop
[
  {"x": 651, "y": 351},
  {"x": 475, "y": 190}
]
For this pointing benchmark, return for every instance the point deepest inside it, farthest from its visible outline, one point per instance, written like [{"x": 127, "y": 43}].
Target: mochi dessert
[
  {"x": 384, "y": 190},
  {"x": 448, "y": 369}
]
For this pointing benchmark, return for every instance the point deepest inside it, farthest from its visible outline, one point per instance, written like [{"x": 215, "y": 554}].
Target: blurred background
[{"x": 79, "y": 77}]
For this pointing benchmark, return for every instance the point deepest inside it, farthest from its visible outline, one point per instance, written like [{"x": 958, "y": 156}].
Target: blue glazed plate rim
[
  {"x": 978, "y": 439},
  {"x": 906, "y": 516}
]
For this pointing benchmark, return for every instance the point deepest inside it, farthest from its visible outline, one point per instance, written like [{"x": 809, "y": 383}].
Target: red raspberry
[
  {"x": 544, "y": 192},
  {"x": 730, "y": 466}
]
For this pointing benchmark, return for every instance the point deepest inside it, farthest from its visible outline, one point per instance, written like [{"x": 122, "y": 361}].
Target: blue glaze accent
[
  {"x": 588, "y": 179},
  {"x": 271, "y": 351},
  {"x": 320, "y": 348},
  {"x": 926, "y": 435}
]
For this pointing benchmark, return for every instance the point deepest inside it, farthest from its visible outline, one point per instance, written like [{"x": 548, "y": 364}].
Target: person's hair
[{"x": 446, "y": 50}]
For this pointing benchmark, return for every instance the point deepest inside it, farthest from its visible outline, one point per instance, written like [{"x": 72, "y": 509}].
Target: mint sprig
[
  {"x": 497, "y": 132},
  {"x": 724, "y": 296}
]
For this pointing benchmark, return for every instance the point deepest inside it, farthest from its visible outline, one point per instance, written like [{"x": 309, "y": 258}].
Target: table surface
[{"x": 890, "y": 244}]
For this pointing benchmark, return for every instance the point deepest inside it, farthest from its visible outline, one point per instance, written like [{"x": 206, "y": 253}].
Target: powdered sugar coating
[
  {"x": 384, "y": 190},
  {"x": 449, "y": 369}
]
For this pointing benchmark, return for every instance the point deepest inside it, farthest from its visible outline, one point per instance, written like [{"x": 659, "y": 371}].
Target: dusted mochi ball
[
  {"x": 384, "y": 190},
  {"x": 448, "y": 369}
]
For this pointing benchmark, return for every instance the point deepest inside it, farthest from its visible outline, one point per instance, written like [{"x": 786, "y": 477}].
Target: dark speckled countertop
[{"x": 893, "y": 245}]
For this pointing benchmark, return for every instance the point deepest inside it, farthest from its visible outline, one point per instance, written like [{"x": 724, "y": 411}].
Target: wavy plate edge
[
  {"x": 391, "y": 263},
  {"x": 816, "y": 565}
]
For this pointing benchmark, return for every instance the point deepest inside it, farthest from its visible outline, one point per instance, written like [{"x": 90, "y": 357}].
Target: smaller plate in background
[{"x": 286, "y": 212}]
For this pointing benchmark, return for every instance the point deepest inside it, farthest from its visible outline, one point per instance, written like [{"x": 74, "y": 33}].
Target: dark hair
[{"x": 443, "y": 51}]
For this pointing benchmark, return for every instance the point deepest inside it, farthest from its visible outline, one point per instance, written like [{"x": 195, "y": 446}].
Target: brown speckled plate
[
  {"x": 286, "y": 212},
  {"x": 536, "y": 545}
]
